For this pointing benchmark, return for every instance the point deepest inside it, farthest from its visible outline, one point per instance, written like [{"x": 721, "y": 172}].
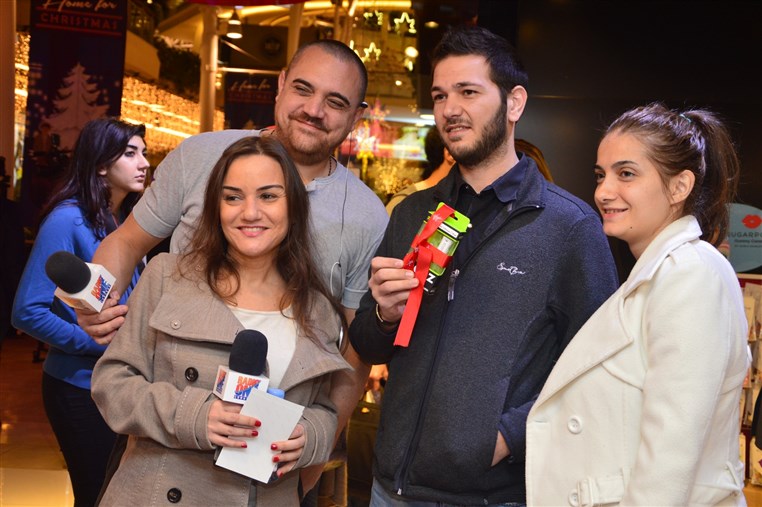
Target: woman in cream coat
[
  {"x": 642, "y": 407},
  {"x": 249, "y": 266}
]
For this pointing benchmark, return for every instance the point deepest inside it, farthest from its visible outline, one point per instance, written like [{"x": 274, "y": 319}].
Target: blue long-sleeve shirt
[{"x": 36, "y": 312}]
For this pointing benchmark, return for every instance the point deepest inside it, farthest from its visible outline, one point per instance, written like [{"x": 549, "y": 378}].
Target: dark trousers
[
  {"x": 115, "y": 457},
  {"x": 84, "y": 437}
]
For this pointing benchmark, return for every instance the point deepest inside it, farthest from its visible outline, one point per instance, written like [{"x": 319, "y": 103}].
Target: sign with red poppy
[{"x": 745, "y": 238}]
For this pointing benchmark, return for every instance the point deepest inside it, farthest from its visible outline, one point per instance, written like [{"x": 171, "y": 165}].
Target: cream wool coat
[
  {"x": 642, "y": 407},
  {"x": 155, "y": 383}
]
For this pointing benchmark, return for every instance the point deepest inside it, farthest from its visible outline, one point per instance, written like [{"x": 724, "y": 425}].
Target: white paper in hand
[{"x": 279, "y": 418}]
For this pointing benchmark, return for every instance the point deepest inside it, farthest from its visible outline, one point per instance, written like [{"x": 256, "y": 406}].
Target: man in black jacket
[{"x": 534, "y": 266}]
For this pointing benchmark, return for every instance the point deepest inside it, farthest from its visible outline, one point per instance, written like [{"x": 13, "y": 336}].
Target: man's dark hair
[
  {"x": 434, "y": 148},
  {"x": 341, "y": 52},
  {"x": 505, "y": 68}
]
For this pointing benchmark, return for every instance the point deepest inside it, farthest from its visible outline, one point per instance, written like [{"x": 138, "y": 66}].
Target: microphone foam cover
[
  {"x": 248, "y": 354},
  {"x": 67, "y": 271}
]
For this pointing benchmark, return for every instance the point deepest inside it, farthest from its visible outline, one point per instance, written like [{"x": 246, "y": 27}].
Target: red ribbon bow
[{"x": 419, "y": 259}]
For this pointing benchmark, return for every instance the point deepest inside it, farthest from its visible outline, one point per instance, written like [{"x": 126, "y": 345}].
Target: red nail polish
[
  {"x": 280, "y": 474},
  {"x": 243, "y": 445},
  {"x": 254, "y": 433},
  {"x": 276, "y": 459},
  {"x": 258, "y": 424},
  {"x": 274, "y": 447}
]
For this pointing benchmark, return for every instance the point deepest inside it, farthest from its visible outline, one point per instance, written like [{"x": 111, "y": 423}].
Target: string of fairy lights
[{"x": 168, "y": 118}]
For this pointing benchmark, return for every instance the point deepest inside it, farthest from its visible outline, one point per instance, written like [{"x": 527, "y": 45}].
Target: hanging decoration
[
  {"x": 370, "y": 51},
  {"x": 404, "y": 25},
  {"x": 374, "y": 19}
]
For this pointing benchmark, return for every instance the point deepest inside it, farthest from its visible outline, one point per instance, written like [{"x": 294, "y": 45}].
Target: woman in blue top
[{"x": 104, "y": 180}]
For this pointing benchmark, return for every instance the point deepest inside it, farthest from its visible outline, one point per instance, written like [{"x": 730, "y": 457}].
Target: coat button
[
  {"x": 191, "y": 374},
  {"x": 175, "y": 324},
  {"x": 174, "y": 495},
  {"x": 574, "y": 498},
  {"x": 574, "y": 424}
]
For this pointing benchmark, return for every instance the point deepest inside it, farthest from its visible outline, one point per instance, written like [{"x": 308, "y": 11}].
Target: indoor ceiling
[{"x": 186, "y": 25}]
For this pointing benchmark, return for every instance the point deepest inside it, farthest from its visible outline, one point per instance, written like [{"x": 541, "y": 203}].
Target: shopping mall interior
[{"x": 186, "y": 62}]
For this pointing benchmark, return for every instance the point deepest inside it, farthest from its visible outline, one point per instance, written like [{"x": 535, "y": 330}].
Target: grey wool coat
[{"x": 154, "y": 383}]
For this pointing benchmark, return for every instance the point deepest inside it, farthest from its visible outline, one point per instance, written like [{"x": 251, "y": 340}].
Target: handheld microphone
[
  {"x": 278, "y": 416},
  {"x": 79, "y": 284},
  {"x": 245, "y": 370}
]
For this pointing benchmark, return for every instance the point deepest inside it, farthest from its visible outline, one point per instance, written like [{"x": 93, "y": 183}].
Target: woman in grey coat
[{"x": 249, "y": 267}]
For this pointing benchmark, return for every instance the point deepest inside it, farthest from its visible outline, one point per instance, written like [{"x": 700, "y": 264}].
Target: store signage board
[{"x": 745, "y": 238}]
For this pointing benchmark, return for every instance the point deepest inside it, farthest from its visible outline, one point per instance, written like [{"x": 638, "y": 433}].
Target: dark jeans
[
  {"x": 379, "y": 497},
  {"x": 84, "y": 437},
  {"x": 115, "y": 457}
]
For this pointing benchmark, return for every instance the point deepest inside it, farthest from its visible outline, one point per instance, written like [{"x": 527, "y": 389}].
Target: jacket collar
[
  {"x": 310, "y": 359},
  {"x": 531, "y": 191},
  {"x": 193, "y": 312},
  {"x": 604, "y": 336},
  {"x": 679, "y": 232}
]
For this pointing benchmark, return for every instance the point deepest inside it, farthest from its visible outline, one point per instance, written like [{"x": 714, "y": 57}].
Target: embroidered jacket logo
[
  {"x": 513, "y": 270},
  {"x": 100, "y": 290}
]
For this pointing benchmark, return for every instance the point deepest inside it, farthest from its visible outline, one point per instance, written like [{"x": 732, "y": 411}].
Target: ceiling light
[
  {"x": 234, "y": 32},
  {"x": 234, "y": 26},
  {"x": 411, "y": 52},
  {"x": 431, "y": 24}
]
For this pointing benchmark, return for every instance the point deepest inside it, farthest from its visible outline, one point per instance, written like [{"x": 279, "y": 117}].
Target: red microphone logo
[{"x": 100, "y": 290}]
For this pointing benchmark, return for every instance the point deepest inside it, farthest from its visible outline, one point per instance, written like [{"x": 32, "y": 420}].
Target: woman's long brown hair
[{"x": 294, "y": 259}]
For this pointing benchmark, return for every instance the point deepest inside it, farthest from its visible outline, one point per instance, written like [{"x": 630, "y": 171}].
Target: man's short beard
[
  {"x": 299, "y": 155},
  {"x": 494, "y": 136}
]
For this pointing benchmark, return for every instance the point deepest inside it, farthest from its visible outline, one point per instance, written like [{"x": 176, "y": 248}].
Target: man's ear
[
  {"x": 359, "y": 112},
  {"x": 448, "y": 158},
  {"x": 517, "y": 101},
  {"x": 681, "y": 185},
  {"x": 281, "y": 83}
]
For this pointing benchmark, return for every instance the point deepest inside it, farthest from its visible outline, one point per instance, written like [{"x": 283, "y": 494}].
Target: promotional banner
[
  {"x": 250, "y": 100},
  {"x": 745, "y": 238},
  {"x": 76, "y": 65}
]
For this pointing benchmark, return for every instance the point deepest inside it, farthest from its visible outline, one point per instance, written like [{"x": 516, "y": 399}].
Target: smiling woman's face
[
  {"x": 630, "y": 193},
  {"x": 253, "y": 208}
]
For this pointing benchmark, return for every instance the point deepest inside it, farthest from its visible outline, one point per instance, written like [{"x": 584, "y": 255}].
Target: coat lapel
[
  {"x": 607, "y": 331},
  {"x": 195, "y": 313},
  {"x": 311, "y": 360},
  {"x": 600, "y": 338}
]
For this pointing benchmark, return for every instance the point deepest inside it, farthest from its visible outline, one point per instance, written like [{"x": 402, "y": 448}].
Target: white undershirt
[{"x": 280, "y": 332}]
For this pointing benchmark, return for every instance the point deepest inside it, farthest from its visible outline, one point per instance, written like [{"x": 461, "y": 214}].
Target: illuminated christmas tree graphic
[{"x": 78, "y": 101}]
